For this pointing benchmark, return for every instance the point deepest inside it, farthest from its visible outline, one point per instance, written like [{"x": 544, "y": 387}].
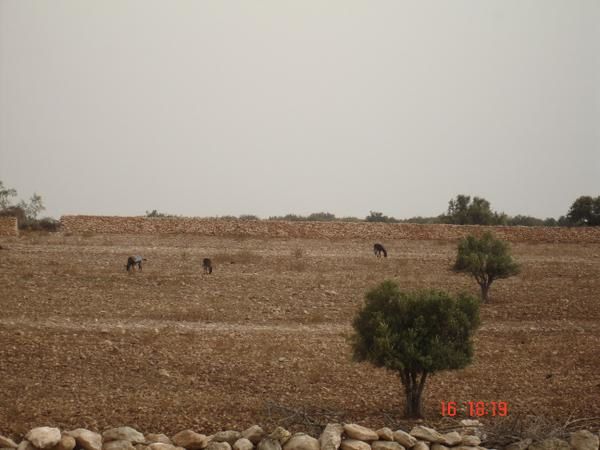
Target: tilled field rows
[{"x": 83, "y": 343}]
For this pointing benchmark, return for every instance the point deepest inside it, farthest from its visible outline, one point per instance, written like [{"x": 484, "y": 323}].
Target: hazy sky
[{"x": 272, "y": 106}]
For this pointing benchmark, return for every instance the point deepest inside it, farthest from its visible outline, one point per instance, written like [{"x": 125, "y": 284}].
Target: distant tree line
[{"x": 462, "y": 210}]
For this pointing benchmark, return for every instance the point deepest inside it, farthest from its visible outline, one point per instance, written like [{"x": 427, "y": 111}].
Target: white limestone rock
[
  {"x": 360, "y": 433},
  {"x": 43, "y": 437}
]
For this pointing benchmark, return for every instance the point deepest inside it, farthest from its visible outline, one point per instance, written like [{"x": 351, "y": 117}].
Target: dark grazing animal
[
  {"x": 207, "y": 265},
  {"x": 378, "y": 249},
  {"x": 133, "y": 261}
]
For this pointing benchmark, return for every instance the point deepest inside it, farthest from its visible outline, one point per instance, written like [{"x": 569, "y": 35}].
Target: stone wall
[
  {"x": 319, "y": 230},
  {"x": 8, "y": 226},
  {"x": 468, "y": 435}
]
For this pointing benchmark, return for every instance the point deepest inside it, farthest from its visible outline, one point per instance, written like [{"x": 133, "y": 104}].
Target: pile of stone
[
  {"x": 334, "y": 437},
  {"x": 319, "y": 230},
  {"x": 8, "y": 226}
]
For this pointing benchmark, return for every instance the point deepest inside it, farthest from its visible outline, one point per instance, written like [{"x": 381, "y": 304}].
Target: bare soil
[{"x": 84, "y": 343}]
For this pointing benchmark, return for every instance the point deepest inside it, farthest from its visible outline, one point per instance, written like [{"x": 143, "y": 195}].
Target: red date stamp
[{"x": 475, "y": 409}]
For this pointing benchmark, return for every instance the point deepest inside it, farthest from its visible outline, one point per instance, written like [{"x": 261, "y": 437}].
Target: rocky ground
[{"x": 264, "y": 339}]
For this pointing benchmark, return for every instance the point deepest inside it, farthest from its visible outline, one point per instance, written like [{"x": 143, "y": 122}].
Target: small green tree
[
  {"x": 485, "y": 259},
  {"x": 415, "y": 334}
]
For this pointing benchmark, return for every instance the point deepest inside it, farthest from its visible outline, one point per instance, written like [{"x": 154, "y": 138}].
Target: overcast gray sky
[{"x": 271, "y": 106}]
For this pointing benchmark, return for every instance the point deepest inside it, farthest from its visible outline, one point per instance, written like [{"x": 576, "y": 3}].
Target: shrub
[
  {"x": 48, "y": 224},
  {"x": 155, "y": 214},
  {"x": 485, "y": 259},
  {"x": 321, "y": 217},
  {"x": 415, "y": 334},
  {"x": 527, "y": 221},
  {"x": 375, "y": 216}
]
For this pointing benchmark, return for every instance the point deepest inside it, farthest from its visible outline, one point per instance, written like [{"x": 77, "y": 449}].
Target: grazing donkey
[
  {"x": 378, "y": 249},
  {"x": 133, "y": 261},
  {"x": 207, "y": 265}
]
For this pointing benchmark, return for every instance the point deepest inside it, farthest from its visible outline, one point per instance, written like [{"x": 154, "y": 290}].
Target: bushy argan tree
[
  {"x": 415, "y": 334},
  {"x": 486, "y": 259},
  {"x": 585, "y": 211},
  {"x": 466, "y": 211}
]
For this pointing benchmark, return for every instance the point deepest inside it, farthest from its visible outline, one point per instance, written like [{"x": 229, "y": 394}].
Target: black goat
[
  {"x": 378, "y": 249},
  {"x": 207, "y": 265}
]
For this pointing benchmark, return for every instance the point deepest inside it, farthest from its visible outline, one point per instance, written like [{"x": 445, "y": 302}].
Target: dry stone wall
[
  {"x": 8, "y": 226},
  {"x": 469, "y": 435},
  {"x": 319, "y": 230}
]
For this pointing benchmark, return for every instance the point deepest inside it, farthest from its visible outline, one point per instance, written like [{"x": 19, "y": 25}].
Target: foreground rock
[
  {"x": 405, "y": 439},
  {"x": 243, "y": 444},
  {"x": 254, "y": 434},
  {"x": 162, "y": 438},
  {"x": 427, "y": 434},
  {"x": 229, "y": 436},
  {"x": 439, "y": 447},
  {"x": 386, "y": 445},
  {"x": 120, "y": 444},
  {"x": 124, "y": 434},
  {"x": 26, "y": 445},
  {"x": 43, "y": 437},
  {"x": 281, "y": 434},
  {"x": 86, "y": 439},
  {"x": 354, "y": 444},
  {"x": 471, "y": 441},
  {"x": 66, "y": 443},
  {"x": 190, "y": 440},
  {"x": 452, "y": 438},
  {"x": 215, "y": 445},
  {"x": 331, "y": 437},
  {"x": 584, "y": 440},
  {"x": 7, "y": 442},
  {"x": 420, "y": 445},
  {"x": 301, "y": 441},
  {"x": 385, "y": 434},
  {"x": 360, "y": 433},
  {"x": 269, "y": 443},
  {"x": 161, "y": 446}
]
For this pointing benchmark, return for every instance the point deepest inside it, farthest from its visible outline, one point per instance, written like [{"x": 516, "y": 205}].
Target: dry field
[{"x": 83, "y": 343}]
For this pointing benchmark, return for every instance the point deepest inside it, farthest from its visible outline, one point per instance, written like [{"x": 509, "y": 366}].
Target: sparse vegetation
[
  {"x": 25, "y": 212},
  {"x": 415, "y": 334},
  {"x": 486, "y": 259},
  {"x": 155, "y": 214},
  {"x": 375, "y": 216},
  {"x": 317, "y": 217}
]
